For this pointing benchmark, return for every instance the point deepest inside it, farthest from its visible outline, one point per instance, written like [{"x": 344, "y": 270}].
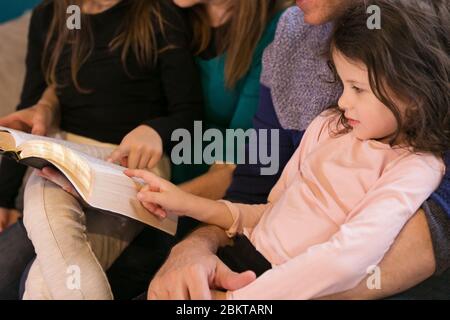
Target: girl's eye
[{"x": 358, "y": 90}]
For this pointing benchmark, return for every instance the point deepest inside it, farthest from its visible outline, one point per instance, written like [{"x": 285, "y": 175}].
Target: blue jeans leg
[
  {"x": 16, "y": 251},
  {"x": 435, "y": 288}
]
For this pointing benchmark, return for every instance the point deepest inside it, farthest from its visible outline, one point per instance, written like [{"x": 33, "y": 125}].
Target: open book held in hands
[{"x": 101, "y": 184}]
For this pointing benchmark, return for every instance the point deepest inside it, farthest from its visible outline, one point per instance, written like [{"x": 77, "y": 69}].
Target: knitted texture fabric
[{"x": 296, "y": 69}]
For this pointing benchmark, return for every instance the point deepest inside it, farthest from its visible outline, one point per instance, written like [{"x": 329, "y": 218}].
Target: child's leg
[{"x": 66, "y": 253}]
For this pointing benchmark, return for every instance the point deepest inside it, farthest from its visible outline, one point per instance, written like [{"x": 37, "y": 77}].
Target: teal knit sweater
[{"x": 228, "y": 108}]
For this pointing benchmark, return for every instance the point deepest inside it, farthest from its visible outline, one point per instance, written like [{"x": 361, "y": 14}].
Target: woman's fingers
[
  {"x": 153, "y": 161},
  {"x": 118, "y": 155},
  {"x": 134, "y": 158},
  {"x": 145, "y": 159},
  {"x": 59, "y": 179}
]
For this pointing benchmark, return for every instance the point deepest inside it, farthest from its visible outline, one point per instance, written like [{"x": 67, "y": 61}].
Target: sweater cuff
[
  {"x": 234, "y": 229},
  {"x": 439, "y": 225}
]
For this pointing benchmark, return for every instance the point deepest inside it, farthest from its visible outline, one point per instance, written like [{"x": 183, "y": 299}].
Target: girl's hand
[
  {"x": 142, "y": 148},
  {"x": 160, "y": 196},
  {"x": 59, "y": 179}
]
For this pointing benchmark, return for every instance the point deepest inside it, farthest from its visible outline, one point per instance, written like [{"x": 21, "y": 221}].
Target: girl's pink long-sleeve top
[{"x": 337, "y": 208}]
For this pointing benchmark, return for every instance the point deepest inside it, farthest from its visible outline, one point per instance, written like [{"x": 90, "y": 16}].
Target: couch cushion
[{"x": 13, "y": 35}]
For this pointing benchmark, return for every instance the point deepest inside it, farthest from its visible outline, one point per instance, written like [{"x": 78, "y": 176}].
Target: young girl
[
  {"x": 124, "y": 81},
  {"x": 361, "y": 171}
]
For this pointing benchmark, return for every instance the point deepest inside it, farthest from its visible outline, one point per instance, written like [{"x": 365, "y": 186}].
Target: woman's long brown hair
[
  {"x": 137, "y": 33},
  {"x": 245, "y": 28}
]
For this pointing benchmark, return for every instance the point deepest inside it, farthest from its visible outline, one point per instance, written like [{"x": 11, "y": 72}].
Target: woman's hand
[
  {"x": 5, "y": 216},
  {"x": 37, "y": 119},
  {"x": 57, "y": 178},
  {"x": 159, "y": 196},
  {"x": 142, "y": 148}
]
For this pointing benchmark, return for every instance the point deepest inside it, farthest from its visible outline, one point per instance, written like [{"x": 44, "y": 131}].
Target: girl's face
[{"x": 368, "y": 116}]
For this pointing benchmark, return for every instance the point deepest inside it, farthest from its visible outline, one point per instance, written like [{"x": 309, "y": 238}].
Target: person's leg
[
  {"x": 37, "y": 288},
  {"x": 131, "y": 273},
  {"x": 57, "y": 225},
  {"x": 435, "y": 288},
  {"x": 16, "y": 251}
]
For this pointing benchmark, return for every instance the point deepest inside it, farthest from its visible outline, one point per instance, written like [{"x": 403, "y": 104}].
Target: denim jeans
[
  {"x": 435, "y": 288},
  {"x": 16, "y": 252}
]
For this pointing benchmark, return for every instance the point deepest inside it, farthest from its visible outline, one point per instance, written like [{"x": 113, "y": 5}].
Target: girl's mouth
[{"x": 352, "y": 122}]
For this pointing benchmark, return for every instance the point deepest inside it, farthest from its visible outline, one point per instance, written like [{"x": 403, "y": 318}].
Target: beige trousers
[{"x": 74, "y": 245}]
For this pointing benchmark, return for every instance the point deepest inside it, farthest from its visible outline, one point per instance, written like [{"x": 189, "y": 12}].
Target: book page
[
  {"x": 115, "y": 192},
  {"x": 18, "y": 136},
  {"x": 90, "y": 150}
]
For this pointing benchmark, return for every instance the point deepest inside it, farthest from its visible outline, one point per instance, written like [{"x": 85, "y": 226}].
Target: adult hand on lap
[
  {"x": 5, "y": 216},
  {"x": 192, "y": 272},
  {"x": 59, "y": 179}
]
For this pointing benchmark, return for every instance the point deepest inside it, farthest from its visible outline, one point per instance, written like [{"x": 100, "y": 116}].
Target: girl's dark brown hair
[
  {"x": 409, "y": 57},
  {"x": 137, "y": 33},
  {"x": 248, "y": 21}
]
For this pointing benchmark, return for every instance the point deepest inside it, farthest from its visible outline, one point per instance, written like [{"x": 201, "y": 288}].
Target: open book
[{"x": 102, "y": 185}]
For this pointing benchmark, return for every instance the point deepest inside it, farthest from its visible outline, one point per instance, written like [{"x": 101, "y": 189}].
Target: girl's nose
[{"x": 342, "y": 104}]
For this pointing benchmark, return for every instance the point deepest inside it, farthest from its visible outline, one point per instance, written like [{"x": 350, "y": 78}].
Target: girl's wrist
[{"x": 191, "y": 205}]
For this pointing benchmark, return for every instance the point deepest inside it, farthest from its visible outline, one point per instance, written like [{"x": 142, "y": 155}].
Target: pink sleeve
[
  {"x": 343, "y": 262},
  {"x": 247, "y": 216}
]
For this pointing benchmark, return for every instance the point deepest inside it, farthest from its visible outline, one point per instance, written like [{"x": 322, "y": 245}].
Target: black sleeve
[
  {"x": 180, "y": 79},
  {"x": 34, "y": 84},
  {"x": 12, "y": 173}
]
